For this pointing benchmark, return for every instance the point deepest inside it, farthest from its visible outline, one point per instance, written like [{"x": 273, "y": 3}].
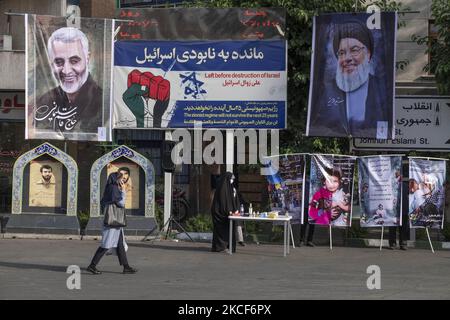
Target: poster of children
[
  {"x": 380, "y": 190},
  {"x": 286, "y": 192},
  {"x": 426, "y": 192},
  {"x": 331, "y": 190}
]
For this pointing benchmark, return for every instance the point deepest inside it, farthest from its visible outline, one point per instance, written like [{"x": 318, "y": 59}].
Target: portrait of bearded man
[
  {"x": 357, "y": 100},
  {"x": 45, "y": 184},
  {"x": 76, "y": 103},
  {"x": 46, "y": 176}
]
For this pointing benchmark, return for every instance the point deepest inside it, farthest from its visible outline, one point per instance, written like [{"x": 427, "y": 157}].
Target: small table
[{"x": 286, "y": 222}]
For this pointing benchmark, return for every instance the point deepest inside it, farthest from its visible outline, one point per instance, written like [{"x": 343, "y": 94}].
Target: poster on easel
[
  {"x": 331, "y": 190},
  {"x": 286, "y": 187},
  {"x": 426, "y": 192},
  {"x": 380, "y": 190}
]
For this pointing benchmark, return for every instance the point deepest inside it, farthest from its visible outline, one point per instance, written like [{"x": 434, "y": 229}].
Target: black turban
[{"x": 353, "y": 29}]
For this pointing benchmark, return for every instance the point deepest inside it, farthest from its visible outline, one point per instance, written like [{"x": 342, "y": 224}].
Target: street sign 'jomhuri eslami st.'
[{"x": 421, "y": 123}]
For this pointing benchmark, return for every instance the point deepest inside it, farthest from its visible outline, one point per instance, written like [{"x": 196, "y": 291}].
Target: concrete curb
[
  {"x": 206, "y": 237},
  {"x": 409, "y": 244},
  {"x": 196, "y": 236},
  {"x": 40, "y": 236},
  {"x": 63, "y": 237}
]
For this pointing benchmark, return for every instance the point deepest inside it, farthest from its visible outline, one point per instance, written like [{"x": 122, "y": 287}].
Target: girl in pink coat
[{"x": 328, "y": 203}]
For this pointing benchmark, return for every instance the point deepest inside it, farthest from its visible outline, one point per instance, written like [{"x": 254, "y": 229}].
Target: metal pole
[
  {"x": 230, "y": 240},
  {"x": 331, "y": 239},
  {"x": 229, "y": 150},
  {"x": 292, "y": 235},
  {"x": 289, "y": 237},
  {"x": 429, "y": 240},
  {"x": 382, "y": 236},
  {"x": 167, "y": 188}
]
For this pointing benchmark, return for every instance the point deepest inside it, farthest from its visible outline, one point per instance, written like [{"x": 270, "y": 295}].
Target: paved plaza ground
[{"x": 36, "y": 269}]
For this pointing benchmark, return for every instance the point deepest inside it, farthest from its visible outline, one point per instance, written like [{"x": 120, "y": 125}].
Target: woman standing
[
  {"x": 113, "y": 241},
  {"x": 225, "y": 202}
]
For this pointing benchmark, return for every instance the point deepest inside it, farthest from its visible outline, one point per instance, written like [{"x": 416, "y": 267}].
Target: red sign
[{"x": 12, "y": 105}]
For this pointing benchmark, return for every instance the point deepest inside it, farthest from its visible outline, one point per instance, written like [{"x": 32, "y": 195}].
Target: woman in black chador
[{"x": 225, "y": 202}]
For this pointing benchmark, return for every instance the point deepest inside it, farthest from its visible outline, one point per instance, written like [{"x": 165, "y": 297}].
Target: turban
[{"x": 353, "y": 29}]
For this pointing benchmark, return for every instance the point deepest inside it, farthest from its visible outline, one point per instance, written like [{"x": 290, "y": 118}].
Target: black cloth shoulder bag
[{"x": 114, "y": 216}]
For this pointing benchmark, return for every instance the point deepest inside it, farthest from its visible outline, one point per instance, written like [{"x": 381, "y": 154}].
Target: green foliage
[
  {"x": 199, "y": 223},
  {"x": 83, "y": 219},
  {"x": 356, "y": 232},
  {"x": 277, "y": 233},
  {"x": 253, "y": 227},
  {"x": 439, "y": 49},
  {"x": 258, "y": 231},
  {"x": 446, "y": 231},
  {"x": 106, "y": 147},
  {"x": 421, "y": 234},
  {"x": 159, "y": 215},
  {"x": 159, "y": 207}
]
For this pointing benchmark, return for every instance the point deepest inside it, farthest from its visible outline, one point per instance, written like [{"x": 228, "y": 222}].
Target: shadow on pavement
[
  {"x": 170, "y": 247},
  {"x": 33, "y": 266},
  {"x": 249, "y": 250}
]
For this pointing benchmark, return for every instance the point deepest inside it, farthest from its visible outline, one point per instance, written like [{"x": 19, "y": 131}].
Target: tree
[
  {"x": 299, "y": 17},
  {"x": 439, "y": 49}
]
